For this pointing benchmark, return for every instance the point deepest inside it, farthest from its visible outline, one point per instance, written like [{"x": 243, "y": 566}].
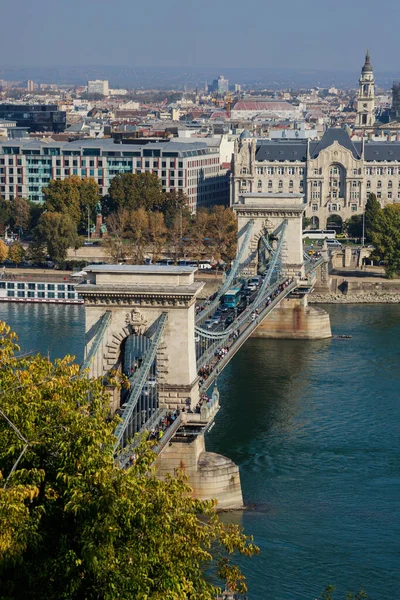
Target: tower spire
[{"x": 366, "y": 96}]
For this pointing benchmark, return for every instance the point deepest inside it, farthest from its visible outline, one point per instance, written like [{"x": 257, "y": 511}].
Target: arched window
[
  {"x": 390, "y": 183},
  {"x": 280, "y": 185},
  {"x": 379, "y": 184},
  {"x": 270, "y": 183},
  {"x": 259, "y": 183},
  {"x": 291, "y": 183}
]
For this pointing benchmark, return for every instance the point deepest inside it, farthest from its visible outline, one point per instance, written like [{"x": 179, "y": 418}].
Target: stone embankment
[{"x": 367, "y": 298}]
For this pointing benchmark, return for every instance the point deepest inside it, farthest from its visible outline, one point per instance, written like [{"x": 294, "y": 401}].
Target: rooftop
[{"x": 140, "y": 269}]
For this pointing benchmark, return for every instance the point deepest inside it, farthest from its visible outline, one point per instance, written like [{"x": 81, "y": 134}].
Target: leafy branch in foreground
[{"x": 75, "y": 526}]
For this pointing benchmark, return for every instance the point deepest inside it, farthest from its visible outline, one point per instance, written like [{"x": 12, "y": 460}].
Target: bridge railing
[
  {"x": 245, "y": 334},
  {"x": 233, "y": 274},
  {"x": 98, "y": 340}
]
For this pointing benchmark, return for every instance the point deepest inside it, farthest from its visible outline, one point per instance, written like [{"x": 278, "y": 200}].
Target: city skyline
[{"x": 179, "y": 35}]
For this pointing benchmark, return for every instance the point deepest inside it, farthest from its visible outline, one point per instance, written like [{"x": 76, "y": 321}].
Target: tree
[
  {"x": 223, "y": 233},
  {"x": 198, "y": 232},
  {"x": 157, "y": 234},
  {"x": 63, "y": 197},
  {"x": 58, "y": 231},
  {"x": 175, "y": 204},
  {"x": 115, "y": 248},
  {"x": 89, "y": 196},
  {"x": 5, "y": 214},
  {"x": 20, "y": 214},
  {"x": 372, "y": 210},
  {"x": 385, "y": 237},
  {"x": 16, "y": 253},
  {"x": 74, "y": 525},
  {"x": 177, "y": 232},
  {"x": 3, "y": 251},
  {"x": 354, "y": 226},
  {"x": 74, "y": 197},
  {"x": 133, "y": 191},
  {"x": 138, "y": 234},
  {"x": 37, "y": 250}
]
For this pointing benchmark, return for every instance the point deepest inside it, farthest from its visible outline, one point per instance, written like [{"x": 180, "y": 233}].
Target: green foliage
[
  {"x": 5, "y": 214},
  {"x": 372, "y": 210},
  {"x": 17, "y": 214},
  {"x": 133, "y": 191},
  {"x": 37, "y": 250},
  {"x": 354, "y": 226},
  {"x": 385, "y": 237},
  {"x": 73, "y": 197},
  {"x": 75, "y": 526},
  {"x": 58, "y": 231}
]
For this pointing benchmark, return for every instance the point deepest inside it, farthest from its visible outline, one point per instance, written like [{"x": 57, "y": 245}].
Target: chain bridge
[{"x": 148, "y": 323}]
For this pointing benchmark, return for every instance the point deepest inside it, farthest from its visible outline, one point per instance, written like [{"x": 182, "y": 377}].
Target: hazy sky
[{"x": 316, "y": 34}]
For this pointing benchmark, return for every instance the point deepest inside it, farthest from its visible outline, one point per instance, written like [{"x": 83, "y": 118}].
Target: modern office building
[
  {"x": 335, "y": 174},
  {"x": 35, "y": 117},
  {"x": 194, "y": 168},
  {"x": 98, "y": 86}
]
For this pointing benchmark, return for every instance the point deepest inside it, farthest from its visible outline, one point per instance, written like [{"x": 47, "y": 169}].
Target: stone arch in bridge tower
[
  {"x": 267, "y": 213},
  {"x": 135, "y": 297}
]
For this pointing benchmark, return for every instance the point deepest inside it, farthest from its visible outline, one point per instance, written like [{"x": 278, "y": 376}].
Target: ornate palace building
[{"x": 335, "y": 174}]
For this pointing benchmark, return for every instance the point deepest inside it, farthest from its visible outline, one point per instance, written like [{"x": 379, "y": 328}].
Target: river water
[{"x": 315, "y": 429}]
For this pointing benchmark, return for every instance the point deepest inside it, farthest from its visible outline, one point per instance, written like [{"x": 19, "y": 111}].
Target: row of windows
[
  {"x": 334, "y": 207},
  {"x": 51, "y": 295},
  {"x": 81, "y": 162},
  {"x": 334, "y": 171},
  {"x": 270, "y": 184},
  {"x": 39, "y": 286},
  {"x": 276, "y": 170}
]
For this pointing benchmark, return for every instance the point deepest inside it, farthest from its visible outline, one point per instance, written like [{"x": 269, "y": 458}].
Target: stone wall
[{"x": 365, "y": 298}]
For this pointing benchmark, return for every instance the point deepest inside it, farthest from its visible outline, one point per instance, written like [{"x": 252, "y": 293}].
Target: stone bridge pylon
[
  {"x": 269, "y": 216},
  {"x": 135, "y": 296},
  {"x": 129, "y": 307}
]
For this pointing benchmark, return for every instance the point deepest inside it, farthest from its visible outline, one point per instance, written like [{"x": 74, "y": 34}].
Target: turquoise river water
[{"x": 315, "y": 429}]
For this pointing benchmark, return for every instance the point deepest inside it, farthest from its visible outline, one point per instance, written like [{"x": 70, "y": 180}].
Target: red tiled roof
[{"x": 267, "y": 105}]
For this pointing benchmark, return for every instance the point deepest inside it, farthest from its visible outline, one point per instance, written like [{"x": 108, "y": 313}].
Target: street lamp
[{"x": 363, "y": 229}]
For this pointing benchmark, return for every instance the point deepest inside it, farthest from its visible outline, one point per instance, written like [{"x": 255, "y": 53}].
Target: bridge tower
[
  {"x": 266, "y": 214},
  {"x": 151, "y": 302}
]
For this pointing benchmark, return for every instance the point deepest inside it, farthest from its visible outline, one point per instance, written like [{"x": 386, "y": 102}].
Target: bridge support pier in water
[
  {"x": 124, "y": 300},
  {"x": 210, "y": 475},
  {"x": 294, "y": 319}
]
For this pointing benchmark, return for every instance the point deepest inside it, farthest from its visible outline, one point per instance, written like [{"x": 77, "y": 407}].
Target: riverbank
[
  {"x": 367, "y": 298},
  {"x": 358, "y": 286}
]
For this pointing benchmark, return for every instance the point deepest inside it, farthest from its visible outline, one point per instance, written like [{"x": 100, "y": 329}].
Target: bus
[
  {"x": 232, "y": 297},
  {"x": 319, "y": 234}
]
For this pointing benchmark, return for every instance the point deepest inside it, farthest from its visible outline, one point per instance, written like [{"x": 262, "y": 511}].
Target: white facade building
[{"x": 98, "y": 86}]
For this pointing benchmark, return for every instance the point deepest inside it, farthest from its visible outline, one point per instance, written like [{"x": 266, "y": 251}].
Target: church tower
[{"x": 366, "y": 97}]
